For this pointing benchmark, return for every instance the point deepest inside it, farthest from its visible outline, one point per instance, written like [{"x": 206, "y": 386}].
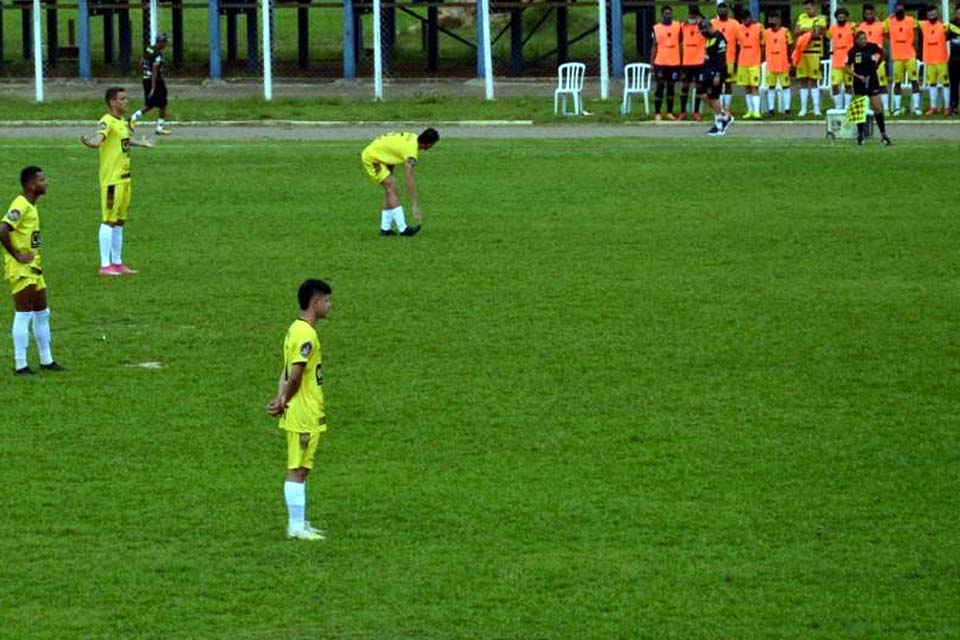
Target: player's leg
[
  {"x": 22, "y": 316},
  {"x": 162, "y": 106},
  {"x": 684, "y": 93},
  {"x": 671, "y": 92},
  {"x": 108, "y": 219},
  {"x": 658, "y": 93},
  {"x": 392, "y": 209},
  {"x": 41, "y": 328},
  {"x": 954, "y": 89},
  {"x": 122, "y": 207},
  {"x": 301, "y": 448},
  {"x": 877, "y": 105}
]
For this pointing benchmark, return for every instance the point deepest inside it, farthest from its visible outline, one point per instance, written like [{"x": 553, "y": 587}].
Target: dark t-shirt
[
  {"x": 863, "y": 60},
  {"x": 715, "y": 58},
  {"x": 152, "y": 56}
]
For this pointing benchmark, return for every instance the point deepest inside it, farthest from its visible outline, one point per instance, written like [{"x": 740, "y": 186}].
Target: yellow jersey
[
  {"x": 114, "y": 151},
  {"x": 304, "y": 412},
  {"x": 24, "y": 219},
  {"x": 392, "y": 148},
  {"x": 808, "y": 23}
]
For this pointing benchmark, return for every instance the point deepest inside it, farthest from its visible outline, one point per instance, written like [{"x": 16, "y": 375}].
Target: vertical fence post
[
  {"x": 267, "y": 54},
  {"x": 37, "y": 52},
  {"x": 214, "y": 27},
  {"x": 604, "y": 64},
  {"x": 487, "y": 53},
  {"x": 377, "y": 53},
  {"x": 349, "y": 41},
  {"x": 83, "y": 36},
  {"x": 480, "y": 45},
  {"x": 616, "y": 36},
  {"x": 154, "y": 21}
]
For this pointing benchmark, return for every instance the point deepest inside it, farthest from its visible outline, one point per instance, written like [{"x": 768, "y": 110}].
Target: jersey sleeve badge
[
  {"x": 306, "y": 349},
  {"x": 13, "y": 215}
]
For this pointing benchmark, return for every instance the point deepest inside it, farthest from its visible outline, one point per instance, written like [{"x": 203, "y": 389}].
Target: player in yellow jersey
[
  {"x": 112, "y": 142},
  {"x": 20, "y": 237},
  {"x": 299, "y": 403},
  {"x": 808, "y": 71},
  {"x": 379, "y": 159}
]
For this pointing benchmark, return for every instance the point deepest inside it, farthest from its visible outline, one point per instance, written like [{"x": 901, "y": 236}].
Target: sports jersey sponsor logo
[
  {"x": 125, "y": 145},
  {"x": 13, "y": 215},
  {"x": 306, "y": 349},
  {"x": 35, "y": 240}
]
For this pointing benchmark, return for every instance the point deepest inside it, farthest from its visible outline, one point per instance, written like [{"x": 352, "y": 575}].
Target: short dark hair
[
  {"x": 112, "y": 93},
  {"x": 694, "y": 10},
  {"x": 841, "y": 10},
  {"x": 311, "y": 288},
  {"x": 666, "y": 7},
  {"x": 810, "y": 2},
  {"x": 29, "y": 173},
  {"x": 868, "y": 7},
  {"x": 429, "y": 136}
]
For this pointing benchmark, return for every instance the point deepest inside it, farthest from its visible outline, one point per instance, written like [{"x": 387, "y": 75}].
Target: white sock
[
  {"x": 915, "y": 100},
  {"x": 771, "y": 99},
  {"x": 815, "y": 94},
  {"x": 785, "y": 100},
  {"x": 386, "y": 218},
  {"x": 897, "y": 101},
  {"x": 41, "y": 333},
  {"x": 945, "y": 90},
  {"x": 726, "y": 100},
  {"x": 838, "y": 101},
  {"x": 885, "y": 99},
  {"x": 804, "y": 94},
  {"x": 136, "y": 115},
  {"x": 160, "y": 122},
  {"x": 116, "y": 245},
  {"x": 21, "y": 337},
  {"x": 401, "y": 222},
  {"x": 296, "y": 497},
  {"x": 933, "y": 97},
  {"x": 717, "y": 120},
  {"x": 847, "y": 99},
  {"x": 106, "y": 242}
]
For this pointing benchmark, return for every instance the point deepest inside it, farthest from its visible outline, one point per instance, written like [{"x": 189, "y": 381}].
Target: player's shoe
[
  {"x": 670, "y": 116},
  {"x": 932, "y": 111},
  {"x": 897, "y": 112},
  {"x": 771, "y": 113},
  {"x": 53, "y": 366},
  {"x": 697, "y": 116},
  {"x": 802, "y": 113},
  {"x": 411, "y": 230},
  {"x": 715, "y": 131},
  {"x": 658, "y": 118},
  {"x": 860, "y": 140},
  {"x": 885, "y": 139},
  {"x": 682, "y": 116},
  {"x": 387, "y": 232},
  {"x": 162, "y": 131},
  {"x": 727, "y": 122},
  {"x": 817, "y": 112},
  {"x": 304, "y": 534},
  {"x": 109, "y": 271},
  {"x": 26, "y": 371},
  {"x": 786, "y": 112},
  {"x": 917, "y": 112},
  {"x": 124, "y": 270},
  {"x": 312, "y": 529}
]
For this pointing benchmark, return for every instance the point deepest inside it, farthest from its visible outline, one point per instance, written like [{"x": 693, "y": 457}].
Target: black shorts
[
  {"x": 870, "y": 88},
  {"x": 705, "y": 82},
  {"x": 664, "y": 73},
  {"x": 690, "y": 73},
  {"x": 159, "y": 98}
]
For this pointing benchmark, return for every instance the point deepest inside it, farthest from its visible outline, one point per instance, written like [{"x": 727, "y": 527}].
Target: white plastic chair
[
  {"x": 569, "y": 83},
  {"x": 826, "y": 71},
  {"x": 763, "y": 86},
  {"x": 637, "y": 77},
  {"x": 921, "y": 76}
]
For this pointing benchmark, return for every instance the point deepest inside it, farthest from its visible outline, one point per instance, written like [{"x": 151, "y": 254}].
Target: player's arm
[
  {"x": 412, "y": 189},
  {"x": 287, "y": 388},
  {"x": 23, "y": 257},
  {"x": 653, "y": 51},
  {"x": 142, "y": 142},
  {"x": 95, "y": 140},
  {"x": 952, "y": 28},
  {"x": 154, "y": 71}
]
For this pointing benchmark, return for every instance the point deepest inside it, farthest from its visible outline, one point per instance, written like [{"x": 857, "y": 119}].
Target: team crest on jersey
[
  {"x": 306, "y": 349},
  {"x": 13, "y": 215},
  {"x": 102, "y": 126}
]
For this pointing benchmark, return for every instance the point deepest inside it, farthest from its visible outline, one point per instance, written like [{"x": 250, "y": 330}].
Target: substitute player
[
  {"x": 711, "y": 76},
  {"x": 954, "y": 64},
  {"x": 20, "y": 236},
  {"x": 808, "y": 71},
  {"x": 841, "y": 40},
  {"x": 154, "y": 88},
  {"x": 935, "y": 56},
  {"x": 776, "y": 51},
  {"x": 691, "y": 59},
  {"x": 299, "y": 403},
  {"x": 112, "y": 142},
  {"x": 902, "y": 30},
  {"x": 749, "y": 40},
  {"x": 665, "y": 59},
  {"x": 875, "y": 33},
  {"x": 862, "y": 62},
  {"x": 728, "y": 28},
  {"x": 379, "y": 159}
]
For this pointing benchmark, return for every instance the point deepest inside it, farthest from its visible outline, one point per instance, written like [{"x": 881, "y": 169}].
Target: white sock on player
[
  {"x": 160, "y": 122},
  {"x": 885, "y": 99},
  {"x": 106, "y": 242},
  {"x": 804, "y": 94},
  {"x": 933, "y": 97},
  {"x": 945, "y": 90},
  {"x": 897, "y": 101},
  {"x": 815, "y": 94},
  {"x": 21, "y": 337},
  {"x": 726, "y": 100},
  {"x": 398, "y": 218},
  {"x": 771, "y": 100},
  {"x": 386, "y": 219},
  {"x": 847, "y": 99},
  {"x": 41, "y": 333},
  {"x": 915, "y": 100},
  {"x": 785, "y": 100},
  {"x": 295, "y": 494},
  {"x": 116, "y": 245}
]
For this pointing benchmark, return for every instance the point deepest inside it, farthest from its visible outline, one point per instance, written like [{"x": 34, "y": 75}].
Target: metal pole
[
  {"x": 604, "y": 65},
  {"x": 487, "y": 53},
  {"x": 349, "y": 41},
  {"x": 37, "y": 51},
  {"x": 214, "y": 20},
  {"x": 267, "y": 57},
  {"x": 154, "y": 22},
  {"x": 83, "y": 36},
  {"x": 616, "y": 33},
  {"x": 377, "y": 54}
]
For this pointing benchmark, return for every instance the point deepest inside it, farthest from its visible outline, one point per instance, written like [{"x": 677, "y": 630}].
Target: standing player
[
  {"x": 934, "y": 33},
  {"x": 954, "y": 64},
  {"x": 154, "y": 88},
  {"x": 710, "y": 78},
  {"x": 841, "y": 40},
  {"x": 728, "y": 28},
  {"x": 20, "y": 236},
  {"x": 379, "y": 159},
  {"x": 776, "y": 49},
  {"x": 808, "y": 71},
  {"x": 862, "y": 62},
  {"x": 112, "y": 142},
  {"x": 665, "y": 59},
  {"x": 299, "y": 403},
  {"x": 875, "y": 32},
  {"x": 902, "y": 29},
  {"x": 691, "y": 60},
  {"x": 749, "y": 39}
]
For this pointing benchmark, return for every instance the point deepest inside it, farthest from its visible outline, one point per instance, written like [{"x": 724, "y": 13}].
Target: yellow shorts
[
  {"x": 20, "y": 281},
  {"x": 882, "y": 73},
  {"x": 809, "y": 66},
  {"x": 937, "y": 74},
  {"x": 298, "y": 455},
  {"x": 905, "y": 70},
  {"x": 377, "y": 171},
  {"x": 783, "y": 77},
  {"x": 731, "y": 71},
  {"x": 115, "y": 201},
  {"x": 748, "y": 76},
  {"x": 840, "y": 77}
]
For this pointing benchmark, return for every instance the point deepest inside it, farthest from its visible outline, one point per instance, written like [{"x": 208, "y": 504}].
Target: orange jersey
[
  {"x": 748, "y": 38},
  {"x": 842, "y": 41},
  {"x": 729, "y": 28},
  {"x": 934, "y": 42},
  {"x": 667, "y": 37},
  {"x": 874, "y": 31},
  {"x": 775, "y": 50},
  {"x": 694, "y": 44},
  {"x": 901, "y": 37}
]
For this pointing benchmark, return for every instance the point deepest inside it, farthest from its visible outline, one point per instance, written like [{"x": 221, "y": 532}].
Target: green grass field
[{"x": 614, "y": 389}]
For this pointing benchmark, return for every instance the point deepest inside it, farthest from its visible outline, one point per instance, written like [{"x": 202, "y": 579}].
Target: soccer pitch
[{"x": 614, "y": 389}]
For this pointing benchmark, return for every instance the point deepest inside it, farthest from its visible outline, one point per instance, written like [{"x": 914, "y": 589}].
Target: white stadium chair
[
  {"x": 569, "y": 83},
  {"x": 637, "y": 78},
  {"x": 763, "y": 87},
  {"x": 921, "y": 76},
  {"x": 826, "y": 69}
]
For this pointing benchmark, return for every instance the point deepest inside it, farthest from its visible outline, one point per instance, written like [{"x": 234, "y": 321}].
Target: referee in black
[
  {"x": 954, "y": 64},
  {"x": 154, "y": 88},
  {"x": 862, "y": 62}
]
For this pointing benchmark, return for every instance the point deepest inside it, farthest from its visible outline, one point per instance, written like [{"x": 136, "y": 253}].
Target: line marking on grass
[
  {"x": 282, "y": 123},
  {"x": 150, "y": 364}
]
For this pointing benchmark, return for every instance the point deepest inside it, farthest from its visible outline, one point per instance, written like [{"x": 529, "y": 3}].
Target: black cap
[{"x": 162, "y": 37}]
